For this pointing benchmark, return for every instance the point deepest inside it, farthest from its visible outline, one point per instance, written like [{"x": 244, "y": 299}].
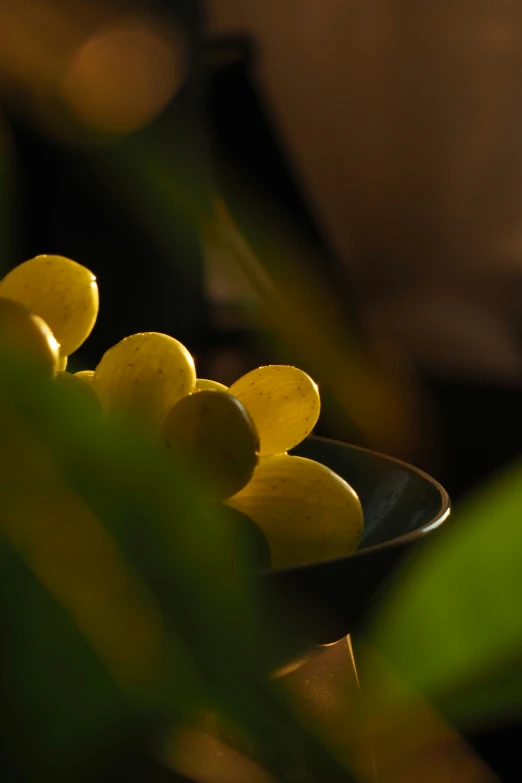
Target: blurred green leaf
[
  {"x": 135, "y": 572},
  {"x": 452, "y": 622}
]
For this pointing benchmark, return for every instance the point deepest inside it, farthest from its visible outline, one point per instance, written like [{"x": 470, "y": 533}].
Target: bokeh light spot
[{"x": 123, "y": 76}]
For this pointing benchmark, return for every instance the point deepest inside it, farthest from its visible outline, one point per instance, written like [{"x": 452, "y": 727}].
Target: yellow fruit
[
  {"x": 214, "y": 431},
  {"x": 60, "y": 291},
  {"x": 203, "y": 384},
  {"x": 306, "y": 511},
  {"x": 77, "y": 386},
  {"x": 27, "y": 335},
  {"x": 283, "y": 402},
  {"x": 62, "y": 364},
  {"x": 144, "y": 376},
  {"x": 85, "y": 375}
]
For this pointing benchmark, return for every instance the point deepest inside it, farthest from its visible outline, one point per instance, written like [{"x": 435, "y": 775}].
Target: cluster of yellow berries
[{"x": 238, "y": 437}]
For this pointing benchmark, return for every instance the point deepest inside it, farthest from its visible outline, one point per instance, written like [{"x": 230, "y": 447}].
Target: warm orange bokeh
[
  {"x": 86, "y": 65},
  {"x": 124, "y": 75}
]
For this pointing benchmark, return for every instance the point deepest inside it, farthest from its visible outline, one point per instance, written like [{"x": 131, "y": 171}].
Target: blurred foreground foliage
[{"x": 127, "y": 608}]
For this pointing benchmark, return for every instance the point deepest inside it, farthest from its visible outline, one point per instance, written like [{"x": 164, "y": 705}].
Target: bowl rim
[{"x": 406, "y": 538}]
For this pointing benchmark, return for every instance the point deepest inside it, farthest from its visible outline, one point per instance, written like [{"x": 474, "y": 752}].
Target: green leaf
[
  {"x": 452, "y": 623},
  {"x": 117, "y": 561}
]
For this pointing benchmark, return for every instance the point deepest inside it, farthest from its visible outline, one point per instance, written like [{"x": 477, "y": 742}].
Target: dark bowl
[{"x": 327, "y": 600}]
